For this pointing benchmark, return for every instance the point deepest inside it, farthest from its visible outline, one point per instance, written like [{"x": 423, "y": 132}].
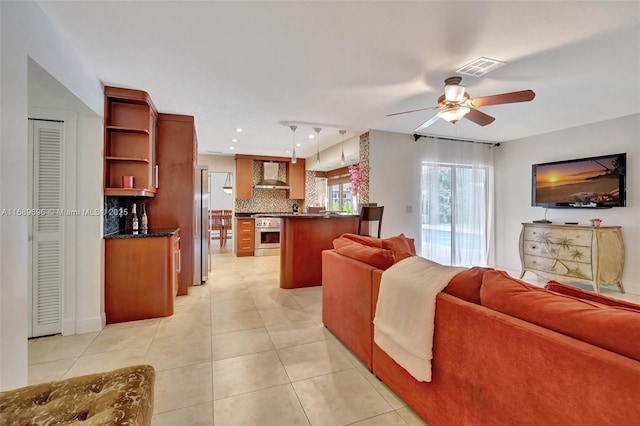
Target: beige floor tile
[
  {"x": 107, "y": 361},
  {"x": 307, "y": 295},
  {"x": 197, "y": 295},
  {"x": 291, "y": 334},
  {"x": 276, "y": 406},
  {"x": 55, "y": 348},
  {"x": 236, "y": 322},
  {"x": 197, "y": 323},
  {"x": 339, "y": 398},
  {"x": 232, "y": 306},
  {"x": 410, "y": 417},
  {"x": 384, "y": 390},
  {"x": 270, "y": 297},
  {"x": 386, "y": 419},
  {"x": 313, "y": 359},
  {"x": 247, "y": 373},
  {"x": 49, "y": 371},
  {"x": 357, "y": 362},
  {"x": 117, "y": 339},
  {"x": 196, "y": 415},
  {"x": 229, "y": 292},
  {"x": 244, "y": 342},
  {"x": 183, "y": 387},
  {"x": 284, "y": 314},
  {"x": 131, "y": 324},
  {"x": 179, "y": 350}
]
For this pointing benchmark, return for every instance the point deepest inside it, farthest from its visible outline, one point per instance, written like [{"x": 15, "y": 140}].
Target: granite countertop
[
  {"x": 154, "y": 232},
  {"x": 311, "y": 215}
]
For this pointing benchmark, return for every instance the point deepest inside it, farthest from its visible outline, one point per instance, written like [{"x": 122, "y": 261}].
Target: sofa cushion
[
  {"x": 611, "y": 328},
  {"x": 399, "y": 245},
  {"x": 377, "y": 257},
  {"x": 569, "y": 290},
  {"x": 363, "y": 239},
  {"x": 466, "y": 285}
]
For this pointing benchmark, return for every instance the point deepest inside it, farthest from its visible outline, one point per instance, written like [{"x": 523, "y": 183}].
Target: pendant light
[
  {"x": 293, "y": 152},
  {"x": 317, "y": 130},
  {"x": 227, "y": 188},
  {"x": 342, "y": 132}
]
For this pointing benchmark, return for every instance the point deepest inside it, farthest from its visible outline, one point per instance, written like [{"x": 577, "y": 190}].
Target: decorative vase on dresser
[{"x": 573, "y": 253}]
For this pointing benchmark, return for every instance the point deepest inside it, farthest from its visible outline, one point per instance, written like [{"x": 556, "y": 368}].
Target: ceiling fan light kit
[
  {"x": 454, "y": 114},
  {"x": 456, "y": 104}
]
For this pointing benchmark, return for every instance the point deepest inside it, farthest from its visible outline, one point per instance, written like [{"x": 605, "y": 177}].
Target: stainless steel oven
[{"x": 267, "y": 236}]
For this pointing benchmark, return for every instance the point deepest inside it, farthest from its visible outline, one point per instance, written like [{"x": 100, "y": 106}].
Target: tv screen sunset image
[{"x": 582, "y": 182}]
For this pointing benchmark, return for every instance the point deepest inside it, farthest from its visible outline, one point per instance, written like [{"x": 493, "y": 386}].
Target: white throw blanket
[{"x": 406, "y": 310}]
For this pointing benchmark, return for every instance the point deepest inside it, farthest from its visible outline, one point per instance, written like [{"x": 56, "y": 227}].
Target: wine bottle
[
  {"x": 144, "y": 222},
  {"x": 134, "y": 219}
]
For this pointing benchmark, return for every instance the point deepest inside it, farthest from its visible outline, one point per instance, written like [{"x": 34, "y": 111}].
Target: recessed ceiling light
[
  {"x": 298, "y": 144},
  {"x": 312, "y": 136},
  {"x": 231, "y": 148},
  {"x": 234, "y": 140},
  {"x": 238, "y": 129}
]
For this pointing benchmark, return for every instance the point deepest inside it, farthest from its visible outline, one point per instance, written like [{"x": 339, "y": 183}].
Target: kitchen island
[{"x": 303, "y": 237}]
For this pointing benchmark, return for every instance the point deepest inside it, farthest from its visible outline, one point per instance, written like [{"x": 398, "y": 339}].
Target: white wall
[
  {"x": 25, "y": 32},
  {"x": 394, "y": 182},
  {"x": 513, "y": 187}
]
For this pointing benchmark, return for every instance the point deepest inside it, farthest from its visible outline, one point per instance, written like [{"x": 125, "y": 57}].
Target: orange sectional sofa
[{"x": 505, "y": 352}]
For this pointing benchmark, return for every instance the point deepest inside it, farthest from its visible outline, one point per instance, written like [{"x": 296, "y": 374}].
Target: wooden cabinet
[
  {"x": 244, "y": 178},
  {"x": 174, "y": 204},
  {"x": 130, "y": 142},
  {"x": 573, "y": 253},
  {"x": 296, "y": 178},
  {"x": 245, "y": 239},
  {"x": 140, "y": 274}
]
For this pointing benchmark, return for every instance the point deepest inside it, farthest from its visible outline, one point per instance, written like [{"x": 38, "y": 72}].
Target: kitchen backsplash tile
[{"x": 274, "y": 200}]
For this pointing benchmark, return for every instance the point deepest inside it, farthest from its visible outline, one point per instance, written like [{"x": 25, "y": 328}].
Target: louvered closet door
[{"x": 47, "y": 228}]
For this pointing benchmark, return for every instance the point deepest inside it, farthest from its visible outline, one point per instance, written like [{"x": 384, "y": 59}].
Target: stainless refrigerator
[{"x": 201, "y": 228}]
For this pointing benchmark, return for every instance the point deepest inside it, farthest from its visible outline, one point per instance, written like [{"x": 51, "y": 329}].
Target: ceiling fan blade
[
  {"x": 427, "y": 123},
  {"x": 479, "y": 117},
  {"x": 413, "y": 110},
  {"x": 504, "y": 98}
]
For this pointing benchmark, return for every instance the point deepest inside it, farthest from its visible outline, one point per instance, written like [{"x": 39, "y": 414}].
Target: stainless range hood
[{"x": 270, "y": 178}]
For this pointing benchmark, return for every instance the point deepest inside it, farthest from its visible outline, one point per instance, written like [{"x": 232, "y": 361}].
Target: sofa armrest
[{"x": 346, "y": 302}]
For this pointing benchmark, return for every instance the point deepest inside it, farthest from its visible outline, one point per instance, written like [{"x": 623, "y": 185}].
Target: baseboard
[{"x": 89, "y": 325}]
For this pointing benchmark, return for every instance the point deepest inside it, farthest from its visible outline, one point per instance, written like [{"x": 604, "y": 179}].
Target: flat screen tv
[{"x": 595, "y": 182}]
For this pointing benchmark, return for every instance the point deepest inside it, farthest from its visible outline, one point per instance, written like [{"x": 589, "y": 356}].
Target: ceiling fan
[{"x": 455, "y": 104}]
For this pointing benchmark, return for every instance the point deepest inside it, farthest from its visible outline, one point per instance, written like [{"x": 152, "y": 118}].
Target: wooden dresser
[{"x": 573, "y": 253}]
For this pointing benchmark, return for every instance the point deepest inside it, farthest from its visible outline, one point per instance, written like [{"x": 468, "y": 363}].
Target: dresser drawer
[
  {"x": 573, "y": 237},
  {"x": 557, "y": 251},
  {"x": 558, "y": 267}
]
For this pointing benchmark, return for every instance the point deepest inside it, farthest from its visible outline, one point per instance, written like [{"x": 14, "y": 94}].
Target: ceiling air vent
[{"x": 480, "y": 67}]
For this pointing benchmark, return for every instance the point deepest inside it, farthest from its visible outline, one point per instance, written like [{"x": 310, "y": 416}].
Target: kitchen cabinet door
[{"x": 244, "y": 178}]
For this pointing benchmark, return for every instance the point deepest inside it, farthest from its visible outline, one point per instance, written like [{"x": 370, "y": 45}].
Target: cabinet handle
[
  {"x": 179, "y": 260},
  {"x": 157, "y": 181}
]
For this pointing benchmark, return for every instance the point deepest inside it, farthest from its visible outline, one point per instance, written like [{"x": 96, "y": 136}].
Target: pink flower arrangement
[{"x": 359, "y": 175}]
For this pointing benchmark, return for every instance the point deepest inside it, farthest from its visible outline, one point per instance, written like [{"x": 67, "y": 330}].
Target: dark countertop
[
  {"x": 155, "y": 232},
  {"x": 294, "y": 215},
  {"x": 312, "y": 215}
]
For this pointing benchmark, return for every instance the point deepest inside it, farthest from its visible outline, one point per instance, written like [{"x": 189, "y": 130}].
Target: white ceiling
[{"x": 348, "y": 64}]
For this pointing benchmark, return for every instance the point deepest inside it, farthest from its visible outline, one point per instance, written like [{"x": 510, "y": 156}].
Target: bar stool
[{"x": 370, "y": 214}]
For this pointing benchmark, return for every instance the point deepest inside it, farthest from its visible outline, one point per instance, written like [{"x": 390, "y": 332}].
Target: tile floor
[{"x": 237, "y": 351}]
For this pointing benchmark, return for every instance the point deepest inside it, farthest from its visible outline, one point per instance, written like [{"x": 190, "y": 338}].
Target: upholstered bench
[{"x": 118, "y": 397}]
